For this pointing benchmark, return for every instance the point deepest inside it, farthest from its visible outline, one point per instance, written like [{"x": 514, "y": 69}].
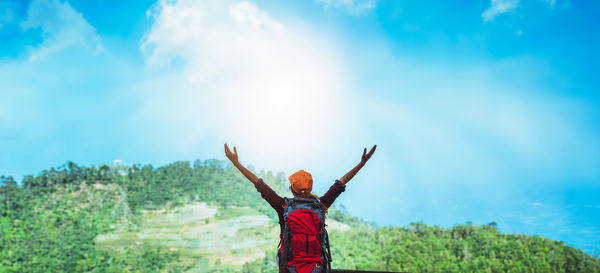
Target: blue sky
[{"x": 482, "y": 110}]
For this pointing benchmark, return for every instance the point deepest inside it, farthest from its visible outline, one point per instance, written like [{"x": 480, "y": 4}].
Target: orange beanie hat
[{"x": 301, "y": 182}]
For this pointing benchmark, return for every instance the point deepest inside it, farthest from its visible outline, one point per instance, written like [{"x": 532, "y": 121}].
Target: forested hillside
[{"x": 51, "y": 224}]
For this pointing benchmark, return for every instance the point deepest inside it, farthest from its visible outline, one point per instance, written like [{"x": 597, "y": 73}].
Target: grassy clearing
[
  {"x": 205, "y": 236},
  {"x": 233, "y": 212}
]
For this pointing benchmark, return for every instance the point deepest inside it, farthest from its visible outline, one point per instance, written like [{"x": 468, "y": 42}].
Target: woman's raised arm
[
  {"x": 233, "y": 157},
  {"x": 365, "y": 157}
]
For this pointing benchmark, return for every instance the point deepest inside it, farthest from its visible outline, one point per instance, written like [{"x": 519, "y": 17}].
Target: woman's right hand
[
  {"x": 234, "y": 159},
  {"x": 232, "y": 156}
]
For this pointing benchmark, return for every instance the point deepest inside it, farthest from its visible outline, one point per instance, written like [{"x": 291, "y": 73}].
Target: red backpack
[{"x": 304, "y": 247}]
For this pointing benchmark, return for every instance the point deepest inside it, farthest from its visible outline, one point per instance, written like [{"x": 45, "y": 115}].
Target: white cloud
[
  {"x": 498, "y": 7},
  {"x": 354, "y": 7},
  {"x": 229, "y": 71},
  {"x": 62, "y": 27},
  {"x": 250, "y": 14}
]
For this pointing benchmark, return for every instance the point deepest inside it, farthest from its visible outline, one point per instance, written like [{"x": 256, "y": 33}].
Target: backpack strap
[
  {"x": 281, "y": 253},
  {"x": 286, "y": 254},
  {"x": 328, "y": 255}
]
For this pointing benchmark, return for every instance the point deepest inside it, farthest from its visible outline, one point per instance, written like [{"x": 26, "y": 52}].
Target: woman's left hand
[{"x": 366, "y": 156}]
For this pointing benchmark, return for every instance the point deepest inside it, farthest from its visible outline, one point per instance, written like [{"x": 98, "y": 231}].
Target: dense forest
[{"x": 49, "y": 224}]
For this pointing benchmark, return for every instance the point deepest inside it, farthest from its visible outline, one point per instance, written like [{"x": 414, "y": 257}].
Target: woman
[{"x": 300, "y": 184}]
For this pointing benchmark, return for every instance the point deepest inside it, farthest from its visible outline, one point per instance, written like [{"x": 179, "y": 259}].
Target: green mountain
[{"x": 206, "y": 217}]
